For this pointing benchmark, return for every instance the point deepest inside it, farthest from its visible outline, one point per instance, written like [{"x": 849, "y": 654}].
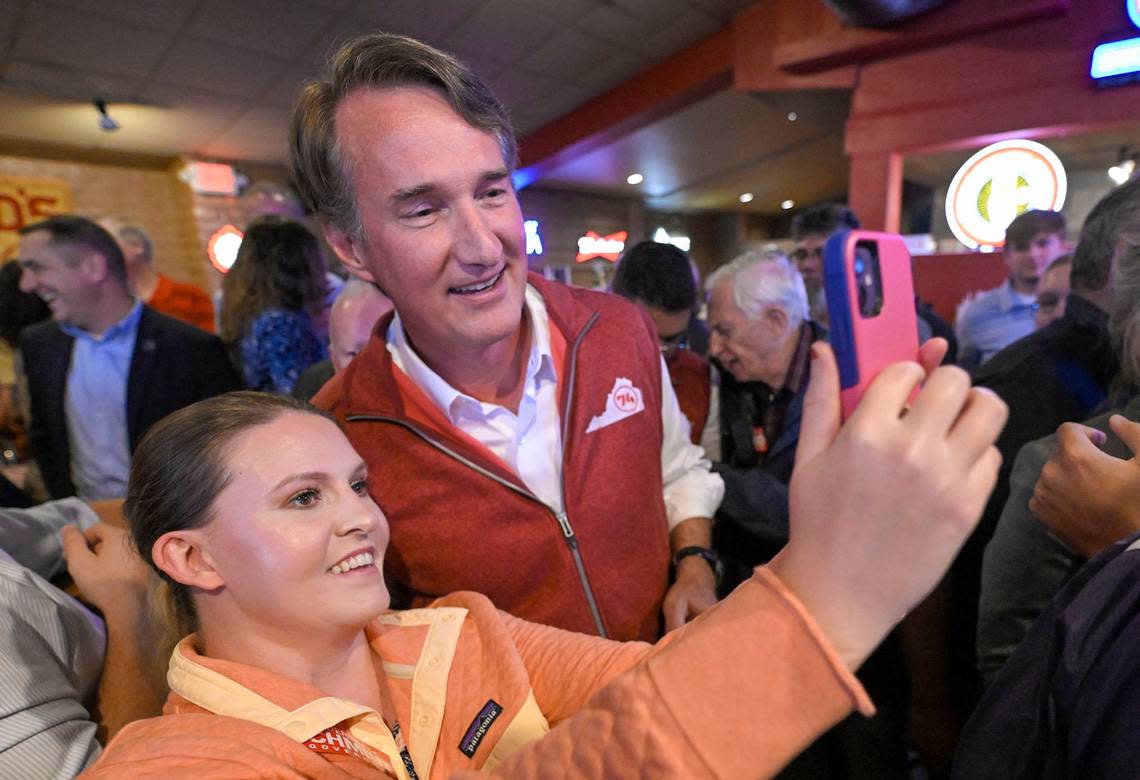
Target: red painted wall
[{"x": 944, "y": 280}]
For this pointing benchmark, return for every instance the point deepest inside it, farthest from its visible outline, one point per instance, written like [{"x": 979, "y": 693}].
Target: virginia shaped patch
[{"x": 623, "y": 401}]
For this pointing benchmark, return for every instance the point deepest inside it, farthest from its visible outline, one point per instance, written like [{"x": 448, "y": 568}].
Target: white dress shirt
[{"x": 530, "y": 442}]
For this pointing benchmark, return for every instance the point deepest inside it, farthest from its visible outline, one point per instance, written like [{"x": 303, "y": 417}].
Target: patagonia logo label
[{"x": 478, "y": 728}]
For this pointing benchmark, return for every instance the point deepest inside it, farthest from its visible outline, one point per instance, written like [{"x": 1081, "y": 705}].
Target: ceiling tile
[
  {"x": 334, "y": 5},
  {"x": 567, "y": 55},
  {"x": 561, "y": 102},
  {"x": 217, "y": 68},
  {"x": 245, "y": 25},
  {"x": 326, "y": 42},
  {"x": 655, "y": 12},
  {"x": 612, "y": 70},
  {"x": 526, "y": 121},
  {"x": 8, "y": 26},
  {"x": 689, "y": 28},
  {"x": 428, "y": 20},
  {"x": 482, "y": 61},
  {"x": 284, "y": 89},
  {"x": 503, "y": 30},
  {"x": 616, "y": 24},
  {"x": 518, "y": 89},
  {"x": 168, "y": 15},
  {"x": 569, "y": 10},
  {"x": 724, "y": 10},
  {"x": 260, "y": 135},
  {"x": 68, "y": 84},
  {"x": 73, "y": 39}
]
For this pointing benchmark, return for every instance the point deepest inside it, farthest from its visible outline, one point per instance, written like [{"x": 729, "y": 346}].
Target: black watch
[{"x": 710, "y": 557}]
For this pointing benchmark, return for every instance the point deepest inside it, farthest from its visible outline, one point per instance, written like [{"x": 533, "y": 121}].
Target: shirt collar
[
  {"x": 123, "y": 327},
  {"x": 1009, "y": 299},
  {"x": 801, "y": 358},
  {"x": 540, "y": 362}
]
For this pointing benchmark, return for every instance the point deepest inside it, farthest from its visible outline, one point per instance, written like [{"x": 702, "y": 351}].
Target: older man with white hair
[{"x": 761, "y": 336}]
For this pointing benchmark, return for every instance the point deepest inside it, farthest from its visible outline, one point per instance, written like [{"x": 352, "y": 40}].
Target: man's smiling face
[{"x": 442, "y": 232}]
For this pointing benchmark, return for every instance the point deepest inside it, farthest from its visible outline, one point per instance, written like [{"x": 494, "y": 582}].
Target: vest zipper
[{"x": 562, "y": 518}]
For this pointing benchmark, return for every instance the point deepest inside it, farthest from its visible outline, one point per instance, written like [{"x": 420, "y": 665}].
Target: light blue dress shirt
[
  {"x": 96, "y": 408},
  {"x": 989, "y": 321}
]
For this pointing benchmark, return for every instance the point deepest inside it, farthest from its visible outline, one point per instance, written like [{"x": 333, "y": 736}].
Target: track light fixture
[{"x": 106, "y": 123}]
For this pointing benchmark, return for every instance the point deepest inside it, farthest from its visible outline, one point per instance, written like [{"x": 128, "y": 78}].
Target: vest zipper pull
[{"x": 567, "y": 531}]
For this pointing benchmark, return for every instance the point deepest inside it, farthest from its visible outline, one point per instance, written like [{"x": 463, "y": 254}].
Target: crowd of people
[{"x": 470, "y": 519}]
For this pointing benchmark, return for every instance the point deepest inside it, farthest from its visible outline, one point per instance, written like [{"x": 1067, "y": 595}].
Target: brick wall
[{"x": 153, "y": 198}]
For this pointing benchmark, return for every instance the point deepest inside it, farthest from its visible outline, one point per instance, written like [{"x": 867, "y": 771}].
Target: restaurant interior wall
[{"x": 152, "y": 197}]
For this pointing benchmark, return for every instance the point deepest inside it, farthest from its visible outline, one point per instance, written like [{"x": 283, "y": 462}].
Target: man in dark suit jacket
[{"x": 107, "y": 367}]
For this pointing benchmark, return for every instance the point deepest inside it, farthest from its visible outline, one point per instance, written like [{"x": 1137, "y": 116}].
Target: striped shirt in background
[{"x": 51, "y": 649}]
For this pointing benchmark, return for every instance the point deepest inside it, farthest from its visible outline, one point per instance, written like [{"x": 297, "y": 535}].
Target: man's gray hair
[
  {"x": 133, "y": 234},
  {"x": 1124, "y": 319},
  {"x": 761, "y": 278},
  {"x": 320, "y": 171}
]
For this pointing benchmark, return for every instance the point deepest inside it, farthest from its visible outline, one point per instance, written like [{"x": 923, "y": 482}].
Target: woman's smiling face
[{"x": 295, "y": 536}]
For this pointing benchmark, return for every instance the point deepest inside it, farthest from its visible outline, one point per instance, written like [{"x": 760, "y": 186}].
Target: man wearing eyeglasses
[
  {"x": 811, "y": 229},
  {"x": 659, "y": 278}
]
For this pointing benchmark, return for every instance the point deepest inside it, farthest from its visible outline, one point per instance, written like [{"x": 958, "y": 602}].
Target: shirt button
[
  {"x": 425, "y": 719},
  {"x": 433, "y": 661},
  {"x": 448, "y": 617}
]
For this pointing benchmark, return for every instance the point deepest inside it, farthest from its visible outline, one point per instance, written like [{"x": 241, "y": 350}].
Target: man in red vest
[{"x": 522, "y": 436}]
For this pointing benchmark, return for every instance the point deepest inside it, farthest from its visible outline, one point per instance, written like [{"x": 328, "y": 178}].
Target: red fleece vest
[{"x": 457, "y": 526}]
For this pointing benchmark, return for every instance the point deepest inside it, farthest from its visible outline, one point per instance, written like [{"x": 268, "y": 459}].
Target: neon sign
[
  {"x": 533, "y": 239},
  {"x": 998, "y": 183},
  {"x": 1119, "y": 61},
  {"x": 608, "y": 247},
  {"x": 662, "y": 236}
]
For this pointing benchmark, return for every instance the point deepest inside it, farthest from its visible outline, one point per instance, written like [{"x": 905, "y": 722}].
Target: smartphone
[{"x": 870, "y": 303}]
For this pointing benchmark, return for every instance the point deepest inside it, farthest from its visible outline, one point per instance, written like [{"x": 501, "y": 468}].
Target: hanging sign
[
  {"x": 608, "y": 247},
  {"x": 1118, "y": 62},
  {"x": 997, "y": 184}
]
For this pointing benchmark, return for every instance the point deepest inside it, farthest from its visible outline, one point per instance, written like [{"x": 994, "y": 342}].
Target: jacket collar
[{"x": 1081, "y": 311}]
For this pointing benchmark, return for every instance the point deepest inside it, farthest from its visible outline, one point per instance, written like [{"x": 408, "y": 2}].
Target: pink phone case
[{"x": 892, "y": 335}]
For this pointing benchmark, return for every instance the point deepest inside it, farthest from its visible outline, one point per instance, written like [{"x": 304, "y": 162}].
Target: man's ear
[
  {"x": 776, "y": 318},
  {"x": 92, "y": 266},
  {"x": 349, "y": 250},
  {"x": 181, "y": 555}
]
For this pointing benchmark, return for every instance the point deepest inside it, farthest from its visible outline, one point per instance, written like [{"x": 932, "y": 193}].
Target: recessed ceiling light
[
  {"x": 746, "y": 197},
  {"x": 793, "y": 116},
  {"x": 634, "y": 178},
  {"x": 787, "y": 204}
]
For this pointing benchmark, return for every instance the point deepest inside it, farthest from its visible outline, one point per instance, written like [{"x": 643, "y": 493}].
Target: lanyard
[{"x": 405, "y": 756}]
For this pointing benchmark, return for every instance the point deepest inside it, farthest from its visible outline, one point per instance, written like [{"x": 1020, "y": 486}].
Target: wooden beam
[
  {"x": 654, "y": 93},
  {"x": 838, "y": 45},
  {"x": 875, "y": 192}
]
